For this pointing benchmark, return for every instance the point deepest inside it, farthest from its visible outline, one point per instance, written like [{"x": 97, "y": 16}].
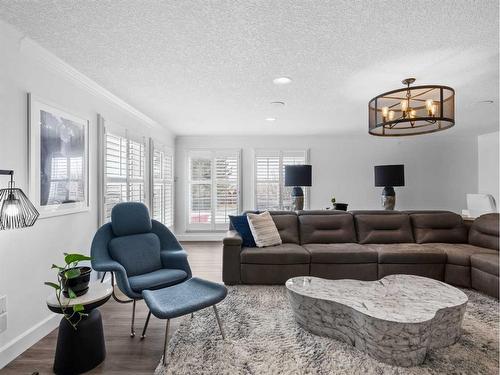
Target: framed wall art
[{"x": 58, "y": 159}]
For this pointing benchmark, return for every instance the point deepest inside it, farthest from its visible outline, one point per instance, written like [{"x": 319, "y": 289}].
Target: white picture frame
[{"x": 58, "y": 160}]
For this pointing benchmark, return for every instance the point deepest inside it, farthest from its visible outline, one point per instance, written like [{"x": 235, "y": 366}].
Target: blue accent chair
[{"x": 142, "y": 254}]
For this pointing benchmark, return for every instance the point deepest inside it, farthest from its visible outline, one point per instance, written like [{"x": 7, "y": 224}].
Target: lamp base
[
  {"x": 297, "y": 198},
  {"x": 388, "y": 198}
]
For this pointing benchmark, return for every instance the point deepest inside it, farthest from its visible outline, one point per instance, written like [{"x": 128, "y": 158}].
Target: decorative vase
[
  {"x": 388, "y": 198},
  {"x": 79, "y": 285}
]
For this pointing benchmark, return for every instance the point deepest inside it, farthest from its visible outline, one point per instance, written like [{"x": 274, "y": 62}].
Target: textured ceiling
[{"x": 206, "y": 67}]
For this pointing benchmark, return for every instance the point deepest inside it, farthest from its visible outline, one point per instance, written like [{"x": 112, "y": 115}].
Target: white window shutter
[
  {"x": 124, "y": 174},
  {"x": 270, "y": 190},
  {"x": 214, "y": 188}
]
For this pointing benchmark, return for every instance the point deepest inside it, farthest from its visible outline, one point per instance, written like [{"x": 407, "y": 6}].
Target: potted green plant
[
  {"x": 72, "y": 282},
  {"x": 338, "y": 206}
]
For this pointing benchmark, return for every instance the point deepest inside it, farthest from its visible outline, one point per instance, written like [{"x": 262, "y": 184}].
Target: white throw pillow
[{"x": 263, "y": 229}]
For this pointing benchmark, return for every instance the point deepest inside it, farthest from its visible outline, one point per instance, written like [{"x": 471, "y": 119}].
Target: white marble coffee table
[{"x": 396, "y": 319}]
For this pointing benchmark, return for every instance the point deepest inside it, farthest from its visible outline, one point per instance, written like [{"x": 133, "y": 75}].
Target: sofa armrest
[
  {"x": 232, "y": 238},
  {"x": 231, "y": 249}
]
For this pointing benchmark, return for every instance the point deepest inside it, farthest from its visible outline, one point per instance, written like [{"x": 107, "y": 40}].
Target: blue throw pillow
[{"x": 240, "y": 224}]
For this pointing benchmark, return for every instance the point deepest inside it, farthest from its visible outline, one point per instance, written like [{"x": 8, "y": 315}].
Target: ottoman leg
[
  {"x": 218, "y": 322},
  {"x": 165, "y": 344}
]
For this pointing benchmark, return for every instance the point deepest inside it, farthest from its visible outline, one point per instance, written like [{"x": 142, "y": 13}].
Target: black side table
[{"x": 82, "y": 349}]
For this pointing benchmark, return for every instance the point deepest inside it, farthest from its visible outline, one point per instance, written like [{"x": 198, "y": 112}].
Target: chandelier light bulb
[
  {"x": 413, "y": 113},
  {"x": 391, "y": 115},
  {"x": 434, "y": 109},
  {"x": 429, "y": 103},
  {"x": 385, "y": 112},
  {"x": 404, "y": 105}
]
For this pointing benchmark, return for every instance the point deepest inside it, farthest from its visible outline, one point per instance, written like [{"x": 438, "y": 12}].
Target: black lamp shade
[
  {"x": 298, "y": 175},
  {"x": 390, "y": 175}
]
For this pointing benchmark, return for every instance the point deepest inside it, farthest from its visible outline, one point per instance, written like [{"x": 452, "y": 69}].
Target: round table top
[{"x": 97, "y": 292}]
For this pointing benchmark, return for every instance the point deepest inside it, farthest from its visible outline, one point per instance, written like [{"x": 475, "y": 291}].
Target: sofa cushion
[
  {"x": 341, "y": 253},
  {"x": 138, "y": 254},
  {"x": 438, "y": 227},
  {"x": 240, "y": 224},
  {"x": 287, "y": 253},
  {"x": 263, "y": 229},
  {"x": 485, "y": 231},
  {"x": 383, "y": 228},
  {"x": 156, "y": 279},
  {"x": 460, "y": 253},
  {"x": 129, "y": 218},
  {"x": 327, "y": 228},
  {"x": 485, "y": 262},
  {"x": 409, "y": 253},
  {"x": 288, "y": 227}
]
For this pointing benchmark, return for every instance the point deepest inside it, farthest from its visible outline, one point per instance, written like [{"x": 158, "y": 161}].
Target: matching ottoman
[{"x": 181, "y": 299}]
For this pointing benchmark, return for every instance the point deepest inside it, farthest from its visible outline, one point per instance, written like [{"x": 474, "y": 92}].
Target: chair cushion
[
  {"x": 184, "y": 298},
  {"x": 156, "y": 279},
  {"x": 138, "y": 254},
  {"x": 485, "y": 262},
  {"x": 439, "y": 227},
  {"x": 287, "y": 253},
  {"x": 240, "y": 225},
  {"x": 326, "y": 228},
  {"x": 408, "y": 253},
  {"x": 129, "y": 218},
  {"x": 264, "y": 229},
  {"x": 341, "y": 253},
  {"x": 460, "y": 253},
  {"x": 383, "y": 228},
  {"x": 484, "y": 231}
]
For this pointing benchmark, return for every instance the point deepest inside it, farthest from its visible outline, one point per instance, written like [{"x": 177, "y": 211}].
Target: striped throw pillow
[{"x": 263, "y": 229}]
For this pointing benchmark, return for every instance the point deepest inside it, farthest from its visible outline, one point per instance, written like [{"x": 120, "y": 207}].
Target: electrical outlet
[
  {"x": 3, "y": 304},
  {"x": 3, "y": 322}
]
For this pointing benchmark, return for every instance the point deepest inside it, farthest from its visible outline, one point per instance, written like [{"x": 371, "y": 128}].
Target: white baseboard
[
  {"x": 27, "y": 339},
  {"x": 187, "y": 237},
  {"x": 24, "y": 341}
]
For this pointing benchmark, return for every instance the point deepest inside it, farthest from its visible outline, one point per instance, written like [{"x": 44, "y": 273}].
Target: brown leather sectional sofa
[{"x": 368, "y": 245}]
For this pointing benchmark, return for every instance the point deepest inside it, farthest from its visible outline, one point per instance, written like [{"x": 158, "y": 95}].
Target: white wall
[
  {"x": 488, "y": 164},
  {"x": 439, "y": 170},
  {"x": 26, "y": 254}
]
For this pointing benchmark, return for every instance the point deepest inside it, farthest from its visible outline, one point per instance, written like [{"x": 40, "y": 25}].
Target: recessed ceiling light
[
  {"x": 271, "y": 119},
  {"x": 282, "y": 81},
  {"x": 277, "y": 104}
]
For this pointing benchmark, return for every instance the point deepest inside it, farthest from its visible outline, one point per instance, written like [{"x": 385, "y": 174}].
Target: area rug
[{"x": 263, "y": 338}]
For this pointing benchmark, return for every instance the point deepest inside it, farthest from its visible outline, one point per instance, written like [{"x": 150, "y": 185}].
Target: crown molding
[{"x": 32, "y": 49}]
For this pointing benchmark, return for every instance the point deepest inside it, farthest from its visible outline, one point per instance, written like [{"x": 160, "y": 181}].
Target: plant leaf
[
  {"x": 78, "y": 308},
  {"x": 56, "y": 266},
  {"x": 75, "y": 258},
  {"x": 71, "y": 294},
  {"x": 53, "y": 285},
  {"x": 72, "y": 273}
]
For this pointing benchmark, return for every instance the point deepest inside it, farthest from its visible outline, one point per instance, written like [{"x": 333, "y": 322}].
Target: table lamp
[{"x": 298, "y": 176}]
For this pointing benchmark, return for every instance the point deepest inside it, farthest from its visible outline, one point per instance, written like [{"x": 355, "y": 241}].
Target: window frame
[
  {"x": 169, "y": 151},
  {"x": 214, "y": 153},
  {"x": 281, "y": 154}
]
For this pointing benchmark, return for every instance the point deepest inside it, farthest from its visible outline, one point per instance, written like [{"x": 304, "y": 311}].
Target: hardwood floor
[{"x": 126, "y": 355}]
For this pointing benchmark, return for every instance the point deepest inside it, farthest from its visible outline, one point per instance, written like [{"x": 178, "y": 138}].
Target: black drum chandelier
[{"x": 412, "y": 110}]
